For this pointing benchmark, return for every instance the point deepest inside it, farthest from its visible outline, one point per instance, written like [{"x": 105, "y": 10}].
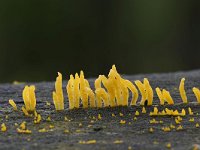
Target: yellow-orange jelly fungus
[
  {"x": 29, "y": 98},
  {"x": 58, "y": 97},
  {"x": 110, "y": 91}
]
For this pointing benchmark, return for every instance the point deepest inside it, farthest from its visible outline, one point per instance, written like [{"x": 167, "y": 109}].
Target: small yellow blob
[
  {"x": 88, "y": 142},
  {"x": 29, "y": 98},
  {"x": 25, "y": 111},
  {"x": 66, "y": 131},
  {"x": 137, "y": 113},
  {"x": 180, "y": 127},
  {"x": 58, "y": 98},
  {"x": 118, "y": 142},
  {"x": 113, "y": 115},
  {"x": 42, "y": 130},
  {"x": 144, "y": 110},
  {"x": 37, "y": 119},
  {"x": 172, "y": 126},
  {"x": 151, "y": 130},
  {"x": 197, "y": 125},
  {"x": 122, "y": 121},
  {"x": 135, "y": 118},
  {"x": 21, "y": 131},
  {"x": 168, "y": 145},
  {"x": 182, "y": 91},
  {"x": 190, "y": 111},
  {"x": 13, "y": 104},
  {"x": 191, "y": 120},
  {"x": 120, "y": 114},
  {"x": 48, "y": 118},
  {"x": 99, "y": 116},
  {"x": 166, "y": 129},
  {"x": 3, "y": 127}
]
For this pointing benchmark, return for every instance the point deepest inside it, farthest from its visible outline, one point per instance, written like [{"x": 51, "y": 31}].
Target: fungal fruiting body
[
  {"x": 12, "y": 103},
  {"x": 115, "y": 90},
  {"x": 78, "y": 90},
  {"x": 182, "y": 91},
  {"x": 58, "y": 97},
  {"x": 197, "y": 93},
  {"x": 164, "y": 96},
  {"x": 29, "y": 98}
]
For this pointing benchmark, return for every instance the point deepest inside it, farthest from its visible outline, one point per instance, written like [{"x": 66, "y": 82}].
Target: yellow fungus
[
  {"x": 113, "y": 115},
  {"x": 183, "y": 113},
  {"x": 151, "y": 130},
  {"x": 23, "y": 125},
  {"x": 166, "y": 129},
  {"x": 99, "y": 116},
  {"x": 135, "y": 118},
  {"x": 155, "y": 112},
  {"x": 48, "y": 118},
  {"x": 120, "y": 114},
  {"x": 160, "y": 96},
  {"x": 137, "y": 113},
  {"x": 3, "y": 127},
  {"x": 37, "y": 119},
  {"x": 153, "y": 121},
  {"x": 190, "y": 111},
  {"x": 80, "y": 125},
  {"x": 168, "y": 145},
  {"x": 144, "y": 110},
  {"x": 21, "y": 131},
  {"x": 191, "y": 120},
  {"x": 66, "y": 131},
  {"x": 197, "y": 125},
  {"x": 88, "y": 142},
  {"x": 42, "y": 130},
  {"x": 58, "y": 97},
  {"x": 182, "y": 91},
  {"x": 168, "y": 97},
  {"x": 51, "y": 126},
  {"x": 129, "y": 148},
  {"x": 13, "y": 104},
  {"x": 118, "y": 142},
  {"x": 29, "y": 98},
  {"x": 172, "y": 126},
  {"x": 197, "y": 93},
  {"x": 149, "y": 91},
  {"x": 101, "y": 94},
  {"x": 134, "y": 91},
  {"x": 25, "y": 111},
  {"x": 180, "y": 127},
  {"x": 142, "y": 90},
  {"x": 122, "y": 121}
]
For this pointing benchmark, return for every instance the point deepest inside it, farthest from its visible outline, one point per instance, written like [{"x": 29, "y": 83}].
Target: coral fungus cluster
[{"x": 110, "y": 91}]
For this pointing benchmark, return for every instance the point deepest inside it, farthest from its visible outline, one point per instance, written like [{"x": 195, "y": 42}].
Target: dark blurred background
[{"x": 40, "y": 37}]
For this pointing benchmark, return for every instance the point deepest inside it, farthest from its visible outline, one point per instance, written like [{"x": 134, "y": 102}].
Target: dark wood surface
[{"x": 107, "y": 130}]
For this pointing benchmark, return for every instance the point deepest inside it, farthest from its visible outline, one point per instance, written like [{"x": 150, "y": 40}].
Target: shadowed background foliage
[{"x": 40, "y": 37}]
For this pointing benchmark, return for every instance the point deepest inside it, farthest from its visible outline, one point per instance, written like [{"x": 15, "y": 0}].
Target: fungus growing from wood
[
  {"x": 13, "y": 104},
  {"x": 182, "y": 91},
  {"x": 58, "y": 97},
  {"x": 29, "y": 98}
]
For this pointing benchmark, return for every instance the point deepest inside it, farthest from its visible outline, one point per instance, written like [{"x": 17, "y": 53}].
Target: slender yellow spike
[
  {"x": 29, "y": 98},
  {"x": 182, "y": 91},
  {"x": 12, "y": 103},
  {"x": 149, "y": 91},
  {"x": 115, "y": 79},
  {"x": 76, "y": 91},
  {"x": 160, "y": 96},
  {"x": 70, "y": 91},
  {"x": 102, "y": 95},
  {"x": 134, "y": 91},
  {"x": 142, "y": 90},
  {"x": 125, "y": 94},
  {"x": 197, "y": 93},
  {"x": 83, "y": 91},
  {"x": 97, "y": 82},
  {"x": 168, "y": 97},
  {"x": 58, "y": 97}
]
